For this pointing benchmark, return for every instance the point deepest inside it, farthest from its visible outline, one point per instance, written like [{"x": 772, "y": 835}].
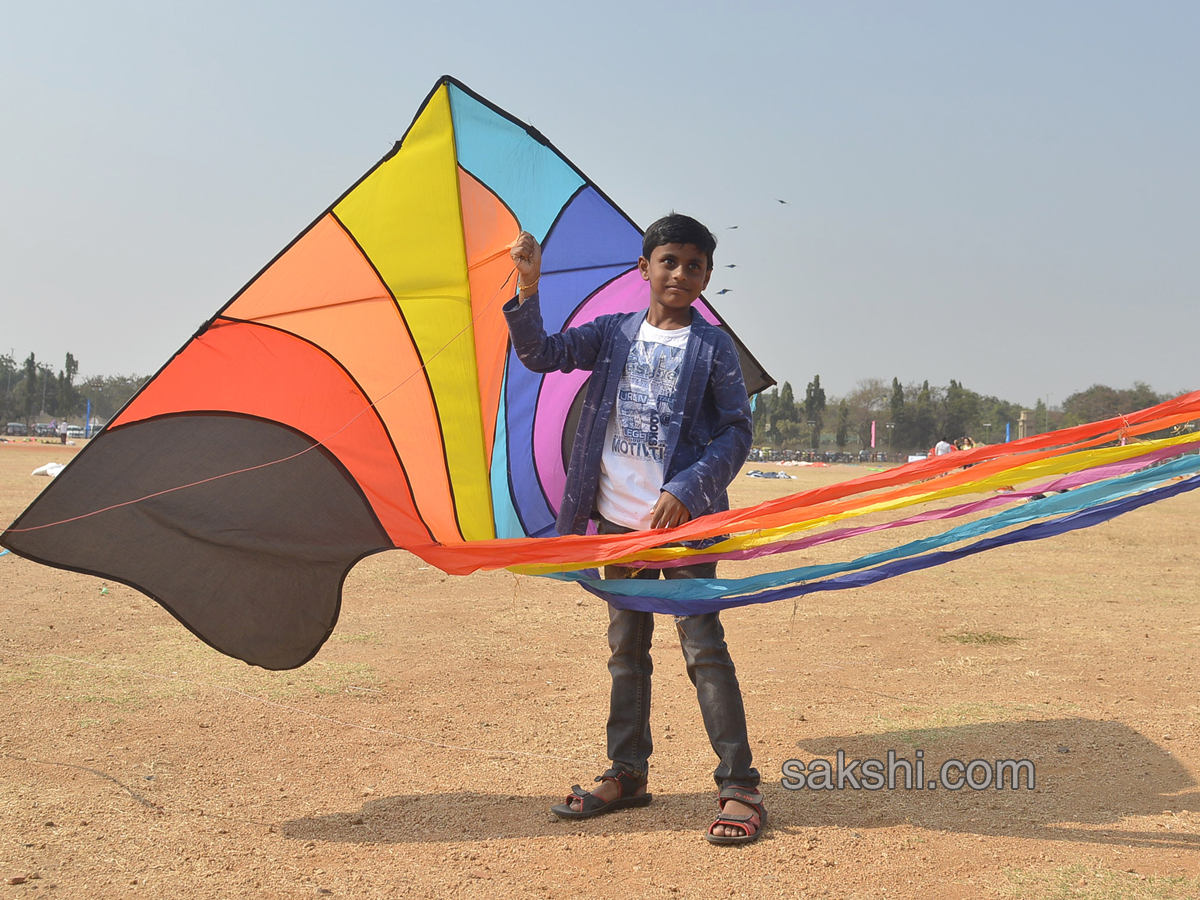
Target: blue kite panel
[
  {"x": 520, "y": 399},
  {"x": 528, "y": 176},
  {"x": 504, "y": 514},
  {"x": 591, "y": 233}
]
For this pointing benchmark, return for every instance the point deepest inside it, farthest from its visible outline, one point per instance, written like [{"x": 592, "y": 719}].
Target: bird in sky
[
  {"x": 724, "y": 290},
  {"x": 731, "y": 266},
  {"x": 784, "y": 202}
]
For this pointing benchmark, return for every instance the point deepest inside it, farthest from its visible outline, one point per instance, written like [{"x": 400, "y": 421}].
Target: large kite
[{"x": 359, "y": 395}]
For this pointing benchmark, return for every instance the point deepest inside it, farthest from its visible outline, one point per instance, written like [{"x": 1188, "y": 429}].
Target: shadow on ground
[
  {"x": 467, "y": 816},
  {"x": 1089, "y": 775}
]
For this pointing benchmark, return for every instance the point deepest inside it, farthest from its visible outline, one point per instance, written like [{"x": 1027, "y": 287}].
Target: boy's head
[{"x": 679, "y": 229}]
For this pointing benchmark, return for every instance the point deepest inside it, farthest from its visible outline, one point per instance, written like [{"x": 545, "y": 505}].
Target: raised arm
[{"x": 575, "y": 348}]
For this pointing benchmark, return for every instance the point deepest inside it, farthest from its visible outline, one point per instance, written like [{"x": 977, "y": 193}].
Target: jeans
[{"x": 702, "y": 639}]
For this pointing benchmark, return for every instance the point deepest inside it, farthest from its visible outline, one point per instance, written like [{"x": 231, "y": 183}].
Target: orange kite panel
[
  {"x": 324, "y": 290},
  {"x": 488, "y": 229},
  {"x": 259, "y": 371}
]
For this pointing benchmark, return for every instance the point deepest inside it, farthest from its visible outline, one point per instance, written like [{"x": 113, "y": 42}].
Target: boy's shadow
[
  {"x": 1089, "y": 774},
  {"x": 472, "y": 816}
]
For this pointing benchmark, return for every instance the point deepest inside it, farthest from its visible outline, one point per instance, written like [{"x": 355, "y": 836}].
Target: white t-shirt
[
  {"x": 631, "y": 467},
  {"x": 942, "y": 448}
]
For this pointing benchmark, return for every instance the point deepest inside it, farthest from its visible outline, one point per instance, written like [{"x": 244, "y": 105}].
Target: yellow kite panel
[{"x": 406, "y": 217}]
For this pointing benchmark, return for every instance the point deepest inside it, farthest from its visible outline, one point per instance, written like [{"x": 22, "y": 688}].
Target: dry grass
[{"x": 418, "y": 754}]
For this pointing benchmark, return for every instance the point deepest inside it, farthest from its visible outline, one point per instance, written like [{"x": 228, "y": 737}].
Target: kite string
[
  {"x": 370, "y": 406},
  {"x": 294, "y": 709}
]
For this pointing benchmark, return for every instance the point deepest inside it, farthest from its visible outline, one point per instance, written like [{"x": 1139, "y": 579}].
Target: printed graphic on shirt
[
  {"x": 631, "y": 467},
  {"x": 644, "y": 400}
]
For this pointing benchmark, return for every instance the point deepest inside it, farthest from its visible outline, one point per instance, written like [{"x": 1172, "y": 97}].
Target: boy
[{"x": 664, "y": 429}]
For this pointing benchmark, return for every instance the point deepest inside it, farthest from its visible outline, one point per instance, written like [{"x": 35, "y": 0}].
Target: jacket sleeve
[
  {"x": 701, "y": 484},
  {"x": 575, "y": 348}
]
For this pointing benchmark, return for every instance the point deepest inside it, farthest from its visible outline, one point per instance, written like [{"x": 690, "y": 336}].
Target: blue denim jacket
[{"x": 708, "y": 437}]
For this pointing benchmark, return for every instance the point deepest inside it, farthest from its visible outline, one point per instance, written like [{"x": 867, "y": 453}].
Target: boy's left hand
[{"x": 668, "y": 512}]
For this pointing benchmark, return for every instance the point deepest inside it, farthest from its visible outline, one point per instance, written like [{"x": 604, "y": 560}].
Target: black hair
[{"x": 679, "y": 229}]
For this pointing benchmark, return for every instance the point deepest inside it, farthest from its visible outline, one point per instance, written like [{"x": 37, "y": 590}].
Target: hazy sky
[{"x": 1003, "y": 193}]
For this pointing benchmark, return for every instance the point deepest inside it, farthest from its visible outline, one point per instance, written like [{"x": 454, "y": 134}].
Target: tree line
[
  {"x": 908, "y": 417},
  {"x": 33, "y": 389},
  {"x": 913, "y": 417}
]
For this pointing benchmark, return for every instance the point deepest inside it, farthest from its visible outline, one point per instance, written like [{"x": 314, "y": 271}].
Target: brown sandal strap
[
  {"x": 627, "y": 784},
  {"x": 749, "y": 796}
]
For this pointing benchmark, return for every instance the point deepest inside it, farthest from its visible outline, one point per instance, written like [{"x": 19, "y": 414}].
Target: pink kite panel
[{"x": 626, "y": 293}]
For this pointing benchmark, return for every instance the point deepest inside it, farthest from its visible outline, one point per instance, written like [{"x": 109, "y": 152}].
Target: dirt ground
[{"x": 419, "y": 753}]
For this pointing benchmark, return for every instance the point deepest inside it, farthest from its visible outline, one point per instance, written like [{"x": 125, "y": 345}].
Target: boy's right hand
[
  {"x": 668, "y": 512},
  {"x": 526, "y": 255}
]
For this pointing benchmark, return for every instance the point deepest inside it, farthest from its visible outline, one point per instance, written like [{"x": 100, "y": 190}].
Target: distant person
[
  {"x": 942, "y": 447},
  {"x": 62, "y": 431},
  {"x": 966, "y": 443}
]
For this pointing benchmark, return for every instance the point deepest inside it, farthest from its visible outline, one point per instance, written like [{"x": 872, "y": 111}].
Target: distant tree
[
  {"x": 764, "y": 403},
  {"x": 48, "y": 386},
  {"x": 995, "y": 415},
  {"x": 1041, "y": 418},
  {"x": 790, "y": 433},
  {"x": 1141, "y": 396},
  {"x": 67, "y": 398},
  {"x": 921, "y": 414},
  {"x": 1103, "y": 402},
  {"x": 898, "y": 406},
  {"x": 785, "y": 406},
  {"x": 924, "y": 419},
  {"x": 30, "y": 387},
  {"x": 9, "y": 376},
  {"x": 868, "y": 403},
  {"x": 843, "y": 426},
  {"x": 784, "y": 424},
  {"x": 109, "y": 393},
  {"x": 897, "y": 398},
  {"x": 814, "y": 409},
  {"x": 962, "y": 411}
]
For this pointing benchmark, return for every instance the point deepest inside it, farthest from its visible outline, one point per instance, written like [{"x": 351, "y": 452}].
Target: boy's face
[{"x": 677, "y": 274}]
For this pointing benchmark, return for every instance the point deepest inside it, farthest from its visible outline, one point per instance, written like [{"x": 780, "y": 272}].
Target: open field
[{"x": 418, "y": 754}]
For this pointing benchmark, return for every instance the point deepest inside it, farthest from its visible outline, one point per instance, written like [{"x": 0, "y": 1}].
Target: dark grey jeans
[{"x": 709, "y": 667}]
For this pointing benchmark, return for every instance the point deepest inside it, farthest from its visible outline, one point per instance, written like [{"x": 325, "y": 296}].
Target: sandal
[
  {"x": 751, "y": 825},
  {"x": 591, "y": 805}
]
